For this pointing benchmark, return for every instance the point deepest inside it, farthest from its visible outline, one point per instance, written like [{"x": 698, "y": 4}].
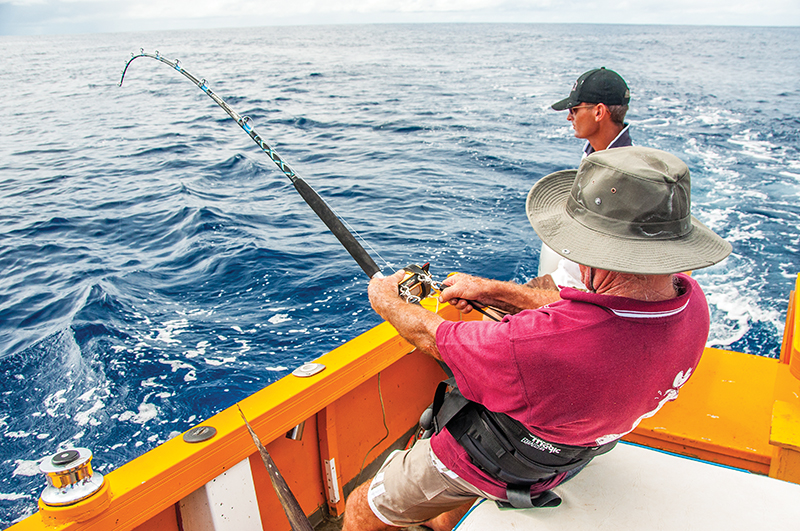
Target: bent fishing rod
[
  {"x": 417, "y": 283},
  {"x": 308, "y": 194}
]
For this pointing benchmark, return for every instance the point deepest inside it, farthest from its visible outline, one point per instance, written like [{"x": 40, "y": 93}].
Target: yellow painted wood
[
  {"x": 787, "y": 386},
  {"x": 793, "y": 322},
  {"x": 788, "y": 331},
  {"x": 785, "y": 427},
  {"x": 785, "y": 436},
  {"x": 785, "y": 430},
  {"x": 721, "y": 415},
  {"x": 785, "y": 465}
]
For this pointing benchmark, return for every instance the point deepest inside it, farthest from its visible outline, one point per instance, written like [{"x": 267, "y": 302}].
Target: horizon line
[{"x": 180, "y": 25}]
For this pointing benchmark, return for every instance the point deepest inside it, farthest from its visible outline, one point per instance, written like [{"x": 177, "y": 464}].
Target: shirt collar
[
  {"x": 623, "y": 139},
  {"x": 633, "y": 308}
]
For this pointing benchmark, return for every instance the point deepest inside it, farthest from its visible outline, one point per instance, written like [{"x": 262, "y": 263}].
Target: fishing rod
[
  {"x": 310, "y": 196},
  {"x": 416, "y": 284}
]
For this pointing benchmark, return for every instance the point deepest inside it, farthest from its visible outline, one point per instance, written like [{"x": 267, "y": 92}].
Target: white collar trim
[{"x": 648, "y": 315}]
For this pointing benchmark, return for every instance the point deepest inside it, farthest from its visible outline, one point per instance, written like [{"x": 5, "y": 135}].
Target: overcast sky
[{"x": 35, "y": 17}]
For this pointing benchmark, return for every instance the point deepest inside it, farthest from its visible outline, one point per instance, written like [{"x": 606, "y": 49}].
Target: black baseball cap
[{"x": 596, "y": 86}]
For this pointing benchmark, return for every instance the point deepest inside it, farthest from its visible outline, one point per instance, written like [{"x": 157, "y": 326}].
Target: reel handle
[{"x": 416, "y": 284}]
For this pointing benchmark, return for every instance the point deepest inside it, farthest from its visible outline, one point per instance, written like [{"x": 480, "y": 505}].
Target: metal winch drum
[{"x": 70, "y": 478}]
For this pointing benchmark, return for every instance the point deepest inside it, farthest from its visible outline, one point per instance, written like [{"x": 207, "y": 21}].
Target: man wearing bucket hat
[
  {"x": 597, "y": 105},
  {"x": 560, "y": 384}
]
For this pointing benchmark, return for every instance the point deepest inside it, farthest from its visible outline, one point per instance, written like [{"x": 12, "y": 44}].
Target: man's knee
[{"x": 358, "y": 515}]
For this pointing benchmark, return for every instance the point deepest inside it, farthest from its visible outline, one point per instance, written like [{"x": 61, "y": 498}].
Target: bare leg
[
  {"x": 446, "y": 521},
  {"x": 358, "y": 516}
]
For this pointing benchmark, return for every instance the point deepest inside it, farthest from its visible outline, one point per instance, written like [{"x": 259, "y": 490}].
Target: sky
[{"x": 45, "y": 17}]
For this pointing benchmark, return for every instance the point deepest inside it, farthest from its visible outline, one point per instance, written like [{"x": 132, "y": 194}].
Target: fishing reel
[{"x": 417, "y": 283}]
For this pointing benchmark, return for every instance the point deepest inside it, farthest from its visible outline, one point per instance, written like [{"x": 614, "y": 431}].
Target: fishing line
[
  {"x": 417, "y": 283},
  {"x": 320, "y": 207},
  {"x": 363, "y": 240}
]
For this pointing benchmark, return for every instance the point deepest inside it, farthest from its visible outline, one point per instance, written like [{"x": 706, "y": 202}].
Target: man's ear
[{"x": 601, "y": 112}]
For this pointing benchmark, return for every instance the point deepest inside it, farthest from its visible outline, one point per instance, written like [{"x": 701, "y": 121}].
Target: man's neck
[
  {"x": 604, "y": 136},
  {"x": 640, "y": 287}
]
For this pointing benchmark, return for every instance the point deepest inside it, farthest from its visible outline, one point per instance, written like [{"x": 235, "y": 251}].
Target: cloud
[{"x": 22, "y": 17}]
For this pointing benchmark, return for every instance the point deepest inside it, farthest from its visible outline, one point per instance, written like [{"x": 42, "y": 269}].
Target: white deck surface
[{"x": 637, "y": 488}]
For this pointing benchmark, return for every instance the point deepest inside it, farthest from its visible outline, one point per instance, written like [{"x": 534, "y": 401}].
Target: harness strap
[
  {"x": 520, "y": 498},
  {"x": 445, "y": 410}
]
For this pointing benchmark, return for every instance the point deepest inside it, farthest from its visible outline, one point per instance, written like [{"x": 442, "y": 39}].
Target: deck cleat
[{"x": 70, "y": 478}]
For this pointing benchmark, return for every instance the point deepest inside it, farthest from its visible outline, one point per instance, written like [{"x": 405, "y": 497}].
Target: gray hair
[{"x": 617, "y": 113}]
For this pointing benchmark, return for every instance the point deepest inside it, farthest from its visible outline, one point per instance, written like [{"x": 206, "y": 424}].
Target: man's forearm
[
  {"x": 414, "y": 323},
  {"x": 509, "y": 296}
]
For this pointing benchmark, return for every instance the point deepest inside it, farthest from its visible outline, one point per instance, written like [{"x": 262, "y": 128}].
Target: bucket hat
[
  {"x": 625, "y": 209},
  {"x": 596, "y": 86}
]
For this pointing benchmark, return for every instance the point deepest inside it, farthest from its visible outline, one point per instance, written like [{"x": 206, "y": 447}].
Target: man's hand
[
  {"x": 413, "y": 322},
  {"x": 384, "y": 292},
  {"x": 460, "y": 289}
]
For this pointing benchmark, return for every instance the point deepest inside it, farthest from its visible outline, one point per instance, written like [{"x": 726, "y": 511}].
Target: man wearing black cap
[{"x": 597, "y": 106}]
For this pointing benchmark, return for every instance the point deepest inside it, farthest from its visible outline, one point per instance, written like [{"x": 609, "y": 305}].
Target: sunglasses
[{"x": 572, "y": 110}]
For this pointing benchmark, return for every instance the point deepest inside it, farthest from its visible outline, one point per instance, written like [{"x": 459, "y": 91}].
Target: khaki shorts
[{"x": 413, "y": 486}]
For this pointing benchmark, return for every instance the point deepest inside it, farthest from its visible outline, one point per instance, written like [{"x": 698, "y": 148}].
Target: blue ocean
[{"x": 156, "y": 267}]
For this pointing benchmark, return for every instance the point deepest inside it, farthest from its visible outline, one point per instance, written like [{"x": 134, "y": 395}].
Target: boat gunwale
[{"x": 150, "y": 483}]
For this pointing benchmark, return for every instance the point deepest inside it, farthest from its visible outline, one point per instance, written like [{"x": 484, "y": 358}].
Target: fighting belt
[{"x": 505, "y": 449}]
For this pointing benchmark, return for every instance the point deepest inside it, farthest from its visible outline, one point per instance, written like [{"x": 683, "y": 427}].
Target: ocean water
[{"x": 156, "y": 267}]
